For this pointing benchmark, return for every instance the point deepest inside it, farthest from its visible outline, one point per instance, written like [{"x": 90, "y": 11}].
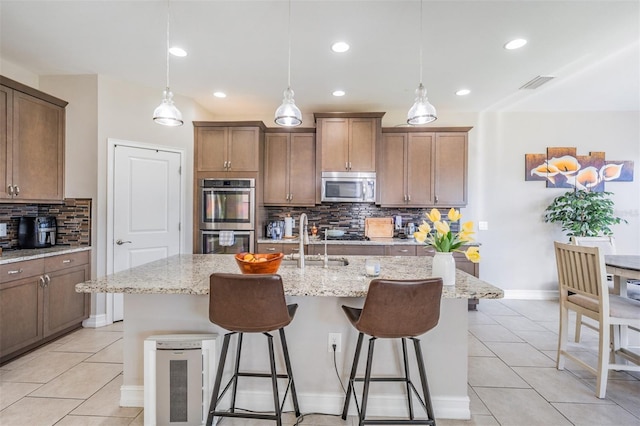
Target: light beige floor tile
[
  {"x": 514, "y": 323},
  {"x": 593, "y": 414},
  {"x": 477, "y": 317},
  {"x": 139, "y": 420},
  {"x": 116, "y": 326},
  {"x": 476, "y": 420},
  {"x": 112, "y": 354},
  {"x": 494, "y": 308},
  {"x": 37, "y": 411},
  {"x": 485, "y": 371},
  {"x": 81, "y": 381},
  {"x": 552, "y": 326},
  {"x": 535, "y": 310},
  {"x": 87, "y": 341},
  {"x": 519, "y": 407},
  {"x": 106, "y": 402},
  {"x": 624, "y": 393},
  {"x": 12, "y": 392},
  {"x": 591, "y": 359},
  {"x": 520, "y": 354},
  {"x": 493, "y": 333},
  {"x": 477, "y": 348},
  {"x": 75, "y": 334},
  {"x": 558, "y": 386},
  {"x": 541, "y": 340},
  {"x": 42, "y": 370},
  {"x": 24, "y": 359},
  {"x": 93, "y": 421},
  {"x": 476, "y": 406}
]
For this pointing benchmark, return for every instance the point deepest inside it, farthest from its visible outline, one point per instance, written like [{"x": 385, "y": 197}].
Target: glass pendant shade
[
  {"x": 288, "y": 113},
  {"x": 166, "y": 113},
  {"x": 421, "y": 112}
]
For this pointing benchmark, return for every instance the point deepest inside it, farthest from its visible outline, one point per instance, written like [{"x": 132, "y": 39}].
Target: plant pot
[{"x": 444, "y": 266}]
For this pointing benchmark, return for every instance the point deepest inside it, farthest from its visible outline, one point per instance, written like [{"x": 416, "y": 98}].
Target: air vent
[{"x": 537, "y": 82}]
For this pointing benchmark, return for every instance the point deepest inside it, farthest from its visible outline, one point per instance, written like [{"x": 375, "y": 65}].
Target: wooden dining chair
[
  {"x": 581, "y": 272},
  {"x": 607, "y": 245}
]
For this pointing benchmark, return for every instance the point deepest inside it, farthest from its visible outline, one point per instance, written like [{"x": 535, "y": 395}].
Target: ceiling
[{"x": 240, "y": 47}]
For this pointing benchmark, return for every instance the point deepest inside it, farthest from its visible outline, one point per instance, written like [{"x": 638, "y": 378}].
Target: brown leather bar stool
[
  {"x": 395, "y": 309},
  {"x": 250, "y": 304}
]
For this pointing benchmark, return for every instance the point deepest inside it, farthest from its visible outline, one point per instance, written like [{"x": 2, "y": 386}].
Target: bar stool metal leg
[
  {"x": 274, "y": 380},
  {"x": 423, "y": 380},
  {"x": 352, "y": 376},
  {"x": 236, "y": 371},
  {"x": 216, "y": 386},
  {"x": 407, "y": 377},
  {"x": 287, "y": 363},
  {"x": 367, "y": 381}
]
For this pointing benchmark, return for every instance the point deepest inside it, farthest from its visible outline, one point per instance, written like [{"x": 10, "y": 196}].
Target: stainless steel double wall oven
[{"x": 227, "y": 205}]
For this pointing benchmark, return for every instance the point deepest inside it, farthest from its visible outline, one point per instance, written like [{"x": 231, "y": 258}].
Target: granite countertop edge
[{"x": 12, "y": 256}]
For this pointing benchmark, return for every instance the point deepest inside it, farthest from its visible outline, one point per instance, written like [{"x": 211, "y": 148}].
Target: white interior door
[{"x": 146, "y": 209}]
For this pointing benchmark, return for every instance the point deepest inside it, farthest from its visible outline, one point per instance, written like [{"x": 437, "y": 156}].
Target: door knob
[{"x": 120, "y": 242}]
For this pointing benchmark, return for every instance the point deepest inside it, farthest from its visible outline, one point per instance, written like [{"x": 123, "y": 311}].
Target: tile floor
[{"x": 512, "y": 379}]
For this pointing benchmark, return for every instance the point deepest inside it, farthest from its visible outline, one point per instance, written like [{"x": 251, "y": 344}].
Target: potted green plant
[{"x": 583, "y": 213}]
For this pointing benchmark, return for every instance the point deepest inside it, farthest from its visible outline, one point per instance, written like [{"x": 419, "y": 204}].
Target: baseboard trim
[
  {"x": 329, "y": 403},
  {"x": 96, "y": 321},
  {"x": 531, "y": 294}
]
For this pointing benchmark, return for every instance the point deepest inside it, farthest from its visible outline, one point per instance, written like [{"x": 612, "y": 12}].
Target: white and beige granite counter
[
  {"x": 189, "y": 274},
  {"x": 11, "y": 256}
]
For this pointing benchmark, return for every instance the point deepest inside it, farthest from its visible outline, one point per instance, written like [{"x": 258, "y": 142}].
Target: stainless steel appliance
[
  {"x": 354, "y": 187},
  {"x": 227, "y": 204},
  {"x": 211, "y": 242},
  {"x": 37, "y": 232}
]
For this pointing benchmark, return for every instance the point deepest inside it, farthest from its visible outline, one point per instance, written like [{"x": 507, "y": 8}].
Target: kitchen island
[{"x": 171, "y": 296}]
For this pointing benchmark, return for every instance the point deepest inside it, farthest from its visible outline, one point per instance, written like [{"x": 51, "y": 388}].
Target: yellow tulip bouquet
[{"x": 443, "y": 240}]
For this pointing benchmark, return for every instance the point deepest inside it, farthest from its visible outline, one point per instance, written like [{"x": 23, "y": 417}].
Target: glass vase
[{"x": 444, "y": 266}]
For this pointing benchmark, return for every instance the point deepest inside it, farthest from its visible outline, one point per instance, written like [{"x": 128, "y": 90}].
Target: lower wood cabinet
[
  {"x": 38, "y": 301},
  {"x": 279, "y": 248},
  {"x": 347, "y": 249}
]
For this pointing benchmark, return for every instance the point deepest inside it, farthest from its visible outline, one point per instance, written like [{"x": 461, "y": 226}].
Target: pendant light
[
  {"x": 288, "y": 114},
  {"x": 166, "y": 113},
  {"x": 421, "y": 112}
]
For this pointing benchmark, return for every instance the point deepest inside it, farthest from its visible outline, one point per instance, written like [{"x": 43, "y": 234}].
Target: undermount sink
[{"x": 315, "y": 262}]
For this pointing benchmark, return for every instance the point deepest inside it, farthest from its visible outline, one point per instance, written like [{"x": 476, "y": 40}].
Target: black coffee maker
[{"x": 37, "y": 232}]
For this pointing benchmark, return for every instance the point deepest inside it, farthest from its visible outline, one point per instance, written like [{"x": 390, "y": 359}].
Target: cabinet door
[
  {"x": 400, "y": 250},
  {"x": 355, "y": 250},
  {"x": 420, "y": 185},
  {"x": 20, "y": 314},
  {"x": 38, "y": 152},
  {"x": 392, "y": 174},
  {"x": 362, "y": 144},
  {"x": 276, "y": 155},
  {"x": 6, "y": 154},
  {"x": 335, "y": 144},
  {"x": 451, "y": 169},
  {"x": 211, "y": 149},
  {"x": 243, "y": 149},
  {"x": 63, "y": 307},
  {"x": 302, "y": 169}
]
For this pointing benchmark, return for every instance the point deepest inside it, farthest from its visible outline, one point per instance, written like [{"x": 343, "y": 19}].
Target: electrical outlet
[
  {"x": 3, "y": 229},
  {"x": 335, "y": 339},
  {"x": 483, "y": 226}
]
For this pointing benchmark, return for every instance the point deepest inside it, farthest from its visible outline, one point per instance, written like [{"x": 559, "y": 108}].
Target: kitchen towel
[{"x": 226, "y": 238}]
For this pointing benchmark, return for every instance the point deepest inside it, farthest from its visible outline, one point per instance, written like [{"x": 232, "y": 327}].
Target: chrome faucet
[{"x": 303, "y": 236}]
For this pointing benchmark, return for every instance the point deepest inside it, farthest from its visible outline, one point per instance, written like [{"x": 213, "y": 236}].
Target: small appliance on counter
[{"x": 37, "y": 232}]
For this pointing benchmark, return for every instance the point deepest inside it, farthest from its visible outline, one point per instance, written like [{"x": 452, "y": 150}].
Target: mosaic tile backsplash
[
  {"x": 350, "y": 216},
  {"x": 73, "y": 219}
]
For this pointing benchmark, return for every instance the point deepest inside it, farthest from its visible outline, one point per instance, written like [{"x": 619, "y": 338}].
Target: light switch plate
[{"x": 3, "y": 229}]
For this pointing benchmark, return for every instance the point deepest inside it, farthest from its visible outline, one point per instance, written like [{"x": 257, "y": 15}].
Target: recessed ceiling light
[
  {"x": 338, "y": 93},
  {"x": 177, "y": 51},
  {"x": 515, "y": 44},
  {"x": 340, "y": 47},
  {"x": 219, "y": 94},
  {"x": 463, "y": 92}
]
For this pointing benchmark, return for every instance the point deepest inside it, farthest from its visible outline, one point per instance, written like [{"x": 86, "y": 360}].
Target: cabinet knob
[
  {"x": 10, "y": 190},
  {"x": 404, "y": 251},
  {"x": 271, "y": 249},
  {"x": 290, "y": 197},
  {"x": 41, "y": 281},
  {"x": 228, "y": 165},
  {"x": 409, "y": 197},
  {"x": 16, "y": 190},
  {"x": 346, "y": 165},
  {"x": 47, "y": 280},
  {"x": 67, "y": 261},
  {"x": 436, "y": 199},
  {"x": 15, "y": 271}
]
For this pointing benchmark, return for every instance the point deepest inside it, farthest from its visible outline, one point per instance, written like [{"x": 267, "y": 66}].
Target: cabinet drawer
[
  {"x": 279, "y": 248},
  {"x": 55, "y": 263},
  {"x": 400, "y": 250},
  {"x": 19, "y": 270}
]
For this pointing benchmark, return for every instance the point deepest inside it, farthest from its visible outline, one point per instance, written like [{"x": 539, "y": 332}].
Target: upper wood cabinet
[
  {"x": 347, "y": 141},
  {"x": 32, "y": 130},
  {"x": 227, "y": 146},
  {"x": 290, "y": 168},
  {"x": 420, "y": 168}
]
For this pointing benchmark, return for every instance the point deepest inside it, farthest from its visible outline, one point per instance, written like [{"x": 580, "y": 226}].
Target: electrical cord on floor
[{"x": 335, "y": 366}]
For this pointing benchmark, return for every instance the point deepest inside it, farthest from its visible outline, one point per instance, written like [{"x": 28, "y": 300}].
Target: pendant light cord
[
  {"x": 421, "y": 41},
  {"x": 289, "y": 36},
  {"x": 168, "y": 19}
]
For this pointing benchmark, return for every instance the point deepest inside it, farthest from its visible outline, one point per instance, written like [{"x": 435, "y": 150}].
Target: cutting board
[{"x": 378, "y": 227}]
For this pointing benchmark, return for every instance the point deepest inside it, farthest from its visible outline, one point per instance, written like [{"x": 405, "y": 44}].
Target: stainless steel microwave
[{"x": 349, "y": 187}]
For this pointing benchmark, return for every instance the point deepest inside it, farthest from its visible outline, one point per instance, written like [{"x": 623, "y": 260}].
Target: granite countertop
[
  {"x": 189, "y": 274},
  {"x": 11, "y": 256}
]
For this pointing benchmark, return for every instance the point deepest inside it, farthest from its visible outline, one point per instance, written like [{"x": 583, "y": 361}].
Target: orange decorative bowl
[{"x": 257, "y": 263}]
